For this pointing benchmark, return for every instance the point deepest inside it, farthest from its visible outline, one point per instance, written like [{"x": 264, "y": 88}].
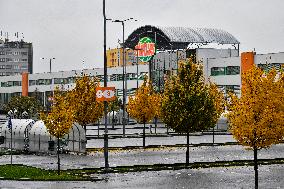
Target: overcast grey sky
[{"x": 72, "y": 30}]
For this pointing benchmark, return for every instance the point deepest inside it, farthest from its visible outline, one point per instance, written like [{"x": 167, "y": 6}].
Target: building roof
[{"x": 179, "y": 37}]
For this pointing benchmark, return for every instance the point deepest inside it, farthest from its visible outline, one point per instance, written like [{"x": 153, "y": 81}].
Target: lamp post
[
  {"x": 50, "y": 59},
  {"x": 105, "y": 85},
  {"x": 137, "y": 63},
  {"x": 124, "y": 83}
]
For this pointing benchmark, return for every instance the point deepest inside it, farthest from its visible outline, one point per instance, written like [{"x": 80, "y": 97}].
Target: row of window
[
  {"x": 11, "y": 83},
  {"x": 69, "y": 80},
  {"x": 23, "y": 67},
  {"x": 5, "y": 97},
  {"x": 229, "y": 70},
  {"x": 13, "y": 53},
  {"x": 13, "y": 59},
  {"x": 268, "y": 67}
]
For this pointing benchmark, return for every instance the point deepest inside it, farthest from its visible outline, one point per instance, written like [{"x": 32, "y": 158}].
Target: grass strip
[{"x": 22, "y": 172}]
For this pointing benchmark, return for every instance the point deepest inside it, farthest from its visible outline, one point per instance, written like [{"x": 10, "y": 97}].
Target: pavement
[{"x": 146, "y": 156}]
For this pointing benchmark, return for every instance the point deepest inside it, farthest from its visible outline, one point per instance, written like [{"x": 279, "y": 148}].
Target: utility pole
[
  {"x": 105, "y": 85},
  {"x": 124, "y": 83}
]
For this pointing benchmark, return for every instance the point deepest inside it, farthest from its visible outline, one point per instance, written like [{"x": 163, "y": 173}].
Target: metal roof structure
[{"x": 179, "y": 37}]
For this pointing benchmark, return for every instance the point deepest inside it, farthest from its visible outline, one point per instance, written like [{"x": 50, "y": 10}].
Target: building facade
[
  {"x": 223, "y": 67},
  {"x": 16, "y": 57},
  {"x": 42, "y": 85}
]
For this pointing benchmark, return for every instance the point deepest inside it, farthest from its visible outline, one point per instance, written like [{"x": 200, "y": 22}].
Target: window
[
  {"x": 2, "y": 66},
  {"x": 8, "y": 66},
  {"x": 3, "y": 84},
  {"x": 113, "y": 77},
  {"x": 217, "y": 71},
  {"x": 32, "y": 82},
  {"x": 24, "y": 66},
  {"x": 24, "y": 60},
  {"x": 232, "y": 70},
  {"x": 268, "y": 67},
  {"x": 100, "y": 78},
  {"x": 9, "y": 83},
  {"x": 120, "y": 77},
  {"x": 17, "y": 83},
  {"x": 9, "y": 60},
  {"x": 2, "y": 53},
  {"x": 71, "y": 79},
  {"x": 16, "y": 67},
  {"x": 2, "y": 59},
  {"x": 43, "y": 81},
  {"x": 131, "y": 76},
  {"x": 60, "y": 80},
  {"x": 24, "y": 53},
  {"x": 9, "y": 53},
  {"x": 17, "y": 53}
]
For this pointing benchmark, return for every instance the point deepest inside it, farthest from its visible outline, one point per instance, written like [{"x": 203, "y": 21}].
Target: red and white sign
[{"x": 105, "y": 93}]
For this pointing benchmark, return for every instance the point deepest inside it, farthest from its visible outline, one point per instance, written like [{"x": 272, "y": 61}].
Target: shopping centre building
[{"x": 216, "y": 49}]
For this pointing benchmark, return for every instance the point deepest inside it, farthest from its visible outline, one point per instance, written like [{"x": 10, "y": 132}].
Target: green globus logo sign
[{"x": 146, "y": 49}]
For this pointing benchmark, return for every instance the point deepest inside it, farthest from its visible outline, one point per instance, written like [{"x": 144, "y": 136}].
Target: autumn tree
[
  {"x": 84, "y": 103},
  {"x": 60, "y": 119},
  {"x": 257, "y": 117},
  {"x": 189, "y": 104},
  {"x": 24, "y": 104},
  {"x": 142, "y": 105}
]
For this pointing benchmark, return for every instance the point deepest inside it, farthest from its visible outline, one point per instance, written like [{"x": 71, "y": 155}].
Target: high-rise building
[{"x": 16, "y": 57}]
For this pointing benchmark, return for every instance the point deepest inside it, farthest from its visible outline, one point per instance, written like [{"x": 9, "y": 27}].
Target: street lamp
[
  {"x": 137, "y": 62},
  {"x": 105, "y": 85},
  {"x": 124, "y": 83},
  {"x": 49, "y": 63}
]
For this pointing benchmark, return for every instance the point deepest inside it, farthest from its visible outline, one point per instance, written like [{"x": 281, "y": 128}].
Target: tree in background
[
  {"x": 142, "y": 106},
  {"x": 257, "y": 118},
  {"x": 157, "y": 98},
  {"x": 84, "y": 103},
  {"x": 24, "y": 104},
  {"x": 189, "y": 104},
  {"x": 114, "y": 106},
  {"x": 60, "y": 119}
]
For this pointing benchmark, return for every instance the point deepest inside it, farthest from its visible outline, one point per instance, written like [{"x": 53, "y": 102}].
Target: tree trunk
[
  {"x": 156, "y": 125},
  {"x": 213, "y": 135},
  {"x": 187, "y": 149},
  {"x": 58, "y": 158},
  {"x": 144, "y": 135},
  {"x": 112, "y": 119},
  {"x": 255, "y": 166},
  {"x": 98, "y": 128}
]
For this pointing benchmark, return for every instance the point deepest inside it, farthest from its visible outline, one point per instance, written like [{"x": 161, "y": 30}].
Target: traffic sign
[{"x": 105, "y": 93}]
